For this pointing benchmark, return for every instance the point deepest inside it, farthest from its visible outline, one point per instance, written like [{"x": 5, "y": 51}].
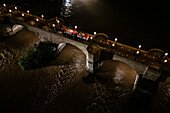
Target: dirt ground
[{"x": 59, "y": 88}]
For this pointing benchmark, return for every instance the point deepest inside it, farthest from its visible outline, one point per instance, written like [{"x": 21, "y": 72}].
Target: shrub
[{"x": 37, "y": 56}]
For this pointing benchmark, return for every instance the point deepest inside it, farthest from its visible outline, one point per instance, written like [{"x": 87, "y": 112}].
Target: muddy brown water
[{"x": 59, "y": 87}]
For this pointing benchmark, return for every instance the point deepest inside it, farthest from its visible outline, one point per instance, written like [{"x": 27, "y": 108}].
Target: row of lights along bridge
[{"x": 137, "y": 52}]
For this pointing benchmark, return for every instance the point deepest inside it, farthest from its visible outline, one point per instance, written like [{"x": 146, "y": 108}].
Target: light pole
[
  {"x": 139, "y": 46},
  {"x": 54, "y": 27},
  {"x": 165, "y": 56},
  {"x": 58, "y": 23},
  {"x": 137, "y": 53},
  {"x": 42, "y": 16},
  {"x": 164, "y": 62},
  {"x": 28, "y": 11},
  {"x": 75, "y": 27},
  {"x": 4, "y": 5},
  {"x": 116, "y": 40},
  {"x": 16, "y": 9},
  {"x": 113, "y": 45}
]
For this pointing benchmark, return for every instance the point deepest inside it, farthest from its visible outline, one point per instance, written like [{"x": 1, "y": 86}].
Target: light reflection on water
[
  {"x": 67, "y": 5},
  {"x": 66, "y": 8}
]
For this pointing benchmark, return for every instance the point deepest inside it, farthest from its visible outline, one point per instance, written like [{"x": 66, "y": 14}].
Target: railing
[{"x": 159, "y": 60}]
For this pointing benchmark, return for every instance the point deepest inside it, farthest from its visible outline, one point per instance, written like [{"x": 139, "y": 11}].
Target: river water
[{"x": 132, "y": 23}]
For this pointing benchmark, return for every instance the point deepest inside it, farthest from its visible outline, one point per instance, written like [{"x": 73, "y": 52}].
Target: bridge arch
[
  {"x": 76, "y": 45},
  {"x": 20, "y": 18},
  {"x": 157, "y": 52},
  {"x": 140, "y": 68},
  {"x": 120, "y": 69},
  {"x": 101, "y": 37}
]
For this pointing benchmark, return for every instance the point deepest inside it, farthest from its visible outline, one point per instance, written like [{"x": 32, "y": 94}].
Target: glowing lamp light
[
  {"x": 75, "y": 27},
  {"x": 137, "y": 52},
  {"x": 94, "y": 33},
  {"x": 28, "y": 11},
  {"x": 139, "y": 46},
  {"x": 91, "y": 37},
  {"x": 4, "y": 5},
  {"x": 10, "y": 11},
  {"x": 166, "y": 54},
  {"x": 53, "y": 25},
  {"x": 115, "y": 39},
  {"x": 113, "y": 45},
  {"x": 22, "y": 14},
  {"x": 165, "y": 61},
  {"x": 37, "y": 19},
  {"x": 16, "y": 8},
  {"x": 42, "y": 16},
  {"x": 58, "y": 21},
  {"x": 71, "y": 30}
]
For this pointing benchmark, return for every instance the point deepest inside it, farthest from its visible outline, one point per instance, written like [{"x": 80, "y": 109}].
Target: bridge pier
[{"x": 92, "y": 58}]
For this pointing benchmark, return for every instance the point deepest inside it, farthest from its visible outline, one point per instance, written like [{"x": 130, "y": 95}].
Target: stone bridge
[{"x": 149, "y": 63}]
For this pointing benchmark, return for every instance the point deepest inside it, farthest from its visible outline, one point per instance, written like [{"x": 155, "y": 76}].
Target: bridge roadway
[{"x": 153, "y": 59}]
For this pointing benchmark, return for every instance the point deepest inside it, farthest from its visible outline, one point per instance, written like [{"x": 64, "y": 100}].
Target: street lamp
[
  {"x": 91, "y": 37},
  {"x": 37, "y": 19},
  {"x": 53, "y": 25},
  {"x": 42, "y": 16},
  {"x": 115, "y": 39},
  {"x": 166, "y": 54},
  {"x": 22, "y": 14},
  {"x": 15, "y": 8},
  {"x": 161, "y": 67},
  {"x": 10, "y": 11},
  {"x": 139, "y": 46},
  {"x": 4, "y": 5},
  {"x": 137, "y": 52},
  {"x": 28, "y": 11},
  {"x": 75, "y": 27},
  {"x": 94, "y": 33},
  {"x": 113, "y": 45},
  {"x": 165, "y": 61}
]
